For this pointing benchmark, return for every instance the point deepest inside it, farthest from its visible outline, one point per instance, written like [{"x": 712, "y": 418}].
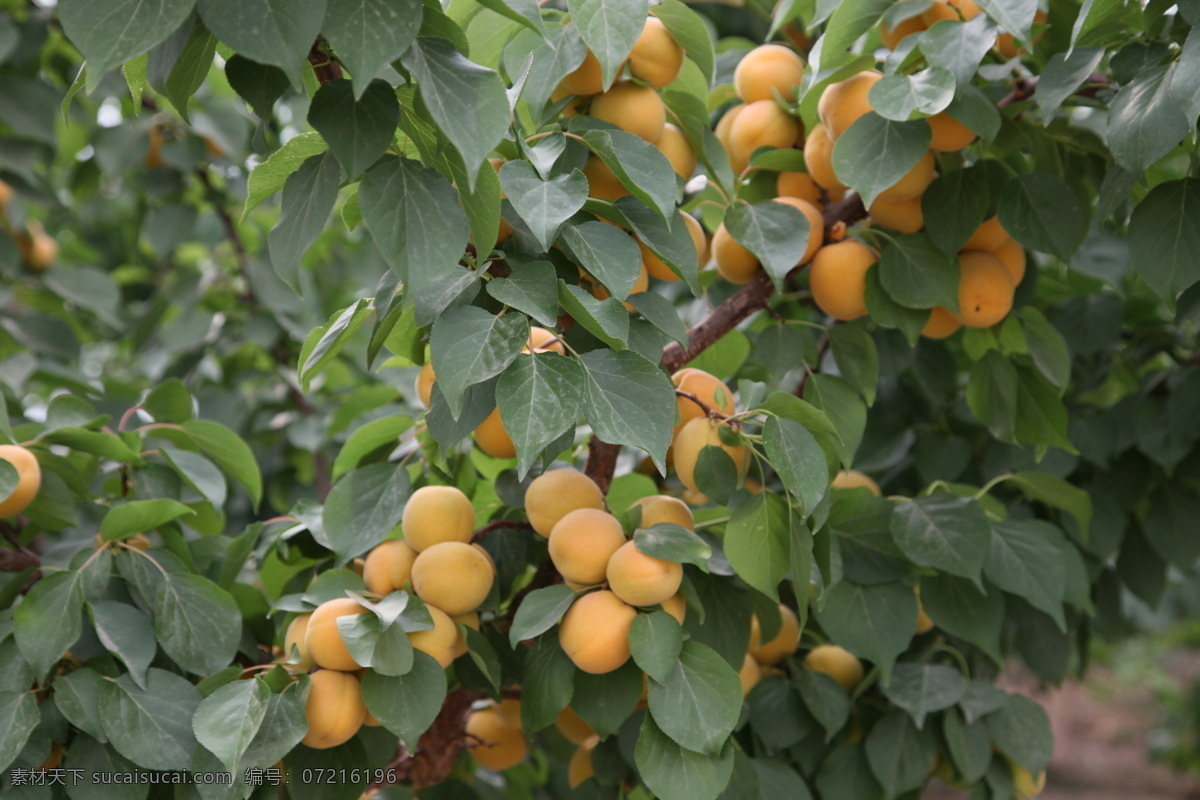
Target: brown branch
[
  {"x": 234, "y": 236},
  {"x": 705, "y": 407},
  {"x": 439, "y": 747},
  {"x": 325, "y": 68},
  {"x": 822, "y": 349},
  {"x": 501, "y": 524},
  {"x": 17, "y": 561},
  {"x": 601, "y": 462},
  {"x": 1024, "y": 88}
]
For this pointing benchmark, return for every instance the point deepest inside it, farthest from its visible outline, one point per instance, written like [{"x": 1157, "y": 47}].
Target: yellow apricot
[
  {"x": 949, "y": 135},
  {"x": 582, "y": 542},
  {"x": 1006, "y": 43},
  {"x": 509, "y": 709},
  {"x": 726, "y": 122},
  {"x": 29, "y": 479},
  {"x": 664, "y": 508},
  {"x": 989, "y": 236},
  {"x": 437, "y": 514},
  {"x": 985, "y": 290},
  {"x": 837, "y": 663},
  {"x": 580, "y": 767},
  {"x": 642, "y": 580},
  {"x": 388, "y": 566},
  {"x": 816, "y": 225},
  {"x": 322, "y": 638},
  {"x": 677, "y": 607},
  {"x": 798, "y": 184},
  {"x": 602, "y": 181},
  {"x": 6, "y": 194},
  {"x": 572, "y": 109},
  {"x": 572, "y": 726},
  {"x": 761, "y": 124},
  {"x": 494, "y": 742},
  {"x": 767, "y": 67},
  {"x": 600, "y": 291},
  {"x": 595, "y": 632},
  {"x": 904, "y": 216},
  {"x": 853, "y": 479},
  {"x": 1025, "y": 786},
  {"x": 493, "y": 439},
  {"x": 452, "y": 576},
  {"x": 952, "y": 10},
  {"x": 543, "y": 341},
  {"x": 554, "y": 494},
  {"x": 424, "y": 384},
  {"x": 892, "y": 36},
  {"x": 784, "y": 643},
  {"x": 633, "y": 108},
  {"x": 295, "y": 637},
  {"x": 692, "y": 438},
  {"x": 585, "y": 79},
  {"x": 440, "y": 641},
  {"x": 708, "y": 388},
  {"x": 914, "y": 182},
  {"x": 38, "y": 248},
  {"x": 674, "y": 145},
  {"x": 735, "y": 263},
  {"x": 656, "y": 57},
  {"x": 842, "y": 103},
  {"x": 699, "y": 237},
  {"x": 334, "y": 709},
  {"x": 1013, "y": 256},
  {"x": 838, "y": 278},
  {"x": 924, "y": 622},
  {"x": 750, "y": 674},
  {"x": 818, "y": 159},
  {"x": 941, "y": 323}
]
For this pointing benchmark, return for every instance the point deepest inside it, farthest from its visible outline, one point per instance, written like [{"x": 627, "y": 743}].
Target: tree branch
[
  {"x": 822, "y": 349},
  {"x": 439, "y": 747},
  {"x": 325, "y": 68}
]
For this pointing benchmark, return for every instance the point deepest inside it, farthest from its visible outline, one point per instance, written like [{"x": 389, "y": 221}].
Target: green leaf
[
  {"x": 857, "y": 359},
  {"x": 917, "y": 274},
  {"x": 197, "y": 622},
  {"x": 544, "y": 205},
  {"x": 699, "y": 702},
  {"x": 629, "y": 401},
  {"x": 898, "y": 97},
  {"x": 672, "y": 243},
  {"x": 1041, "y": 416},
  {"x": 1185, "y": 78},
  {"x": 955, "y": 204},
  {"x": 958, "y": 46},
  {"x": 370, "y": 34},
  {"x": 1058, "y": 493},
  {"x": 1169, "y": 522},
  {"x": 977, "y": 111},
  {"x": 824, "y": 698},
  {"x": 609, "y": 29},
  {"x": 992, "y": 394},
  {"x": 874, "y": 622},
  {"x": 688, "y": 27},
  {"x": 849, "y": 20},
  {"x": 1042, "y": 213},
  {"x": 138, "y": 516},
  {"x": 844, "y": 408},
  {"x": 639, "y": 165},
  {"x": 407, "y": 705},
  {"x": 170, "y": 401},
  {"x": 672, "y": 772},
  {"x": 661, "y": 313},
  {"x": 49, "y": 620},
  {"x": 656, "y": 641},
  {"x": 1047, "y": 346},
  {"x": 107, "y": 445},
  {"x": 921, "y": 689},
  {"x": 1021, "y": 730},
  {"x": 227, "y": 721},
  {"x": 283, "y": 726},
  {"x": 525, "y": 12},
  {"x": 968, "y": 744},
  {"x": 1164, "y": 236},
  {"x": 260, "y": 86},
  {"x": 874, "y": 153},
  {"x": 540, "y": 611},
  {"x": 470, "y": 345},
  {"x": 846, "y": 772},
  {"x": 374, "y": 643},
  {"x": 606, "y": 701},
  {"x": 270, "y": 176},
  {"x": 900, "y": 755},
  {"x": 358, "y": 130},
  {"x": 152, "y": 727},
  {"x": 308, "y": 198},
  {"x": 758, "y": 537},
  {"x": 111, "y": 32},
  {"x": 672, "y": 542},
  {"x": 776, "y": 233},
  {"x": 958, "y": 607},
  {"x": 540, "y": 396},
  {"x": 531, "y": 288},
  {"x": 548, "y": 686},
  {"x": 334, "y": 338},
  {"x": 178, "y": 67},
  {"x": 605, "y": 252},
  {"x": 230, "y": 453},
  {"x": 466, "y": 101},
  {"x": 943, "y": 531},
  {"x": 788, "y": 406},
  {"x": 77, "y": 696},
  {"x": 10, "y": 479},
  {"x": 1145, "y": 122},
  {"x": 364, "y": 507},
  {"x": 1023, "y": 562},
  {"x": 366, "y": 439},
  {"x": 275, "y": 32},
  {"x": 605, "y": 319},
  {"x": 127, "y": 633},
  {"x": 1063, "y": 74},
  {"x": 18, "y": 717}
]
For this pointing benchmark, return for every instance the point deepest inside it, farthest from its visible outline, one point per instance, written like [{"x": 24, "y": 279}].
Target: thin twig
[{"x": 822, "y": 349}]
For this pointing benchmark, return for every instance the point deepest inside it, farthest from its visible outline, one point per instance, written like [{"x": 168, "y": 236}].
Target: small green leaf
[
  {"x": 540, "y": 396},
  {"x": 198, "y": 623},
  {"x": 1021, "y": 730},
  {"x": 857, "y": 359},
  {"x": 1042, "y": 213},
  {"x": 540, "y": 611},
  {"x": 874, "y": 622},
  {"x": 470, "y": 345},
  {"x": 276, "y": 32},
  {"x": 699, "y": 702},
  {"x": 917, "y": 274},
  {"x": 531, "y": 288},
  {"x": 874, "y": 153},
  {"x": 49, "y": 620},
  {"x": 898, "y": 97},
  {"x": 943, "y": 531},
  {"x": 358, "y": 130},
  {"x": 606, "y": 253},
  {"x": 776, "y": 233},
  {"x": 921, "y": 689},
  {"x": 609, "y": 30},
  {"x": 672, "y": 542},
  {"x": 672, "y": 772},
  {"x": 407, "y": 705},
  {"x": 901, "y": 756},
  {"x": 269, "y": 177},
  {"x": 629, "y": 401},
  {"x": 1164, "y": 236},
  {"x": 364, "y": 507},
  {"x": 18, "y": 717},
  {"x": 605, "y": 319},
  {"x": 656, "y": 641},
  {"x": 758, "y": 538},
  {"x": 544, "y": 205},
  {"x": 152, "y": 727},
  {"x": 370, "y": 34},
  {"x": 138, "y": 516},
  {"x": 127, "y": 633},
  {"x": 227, "y": 721}
]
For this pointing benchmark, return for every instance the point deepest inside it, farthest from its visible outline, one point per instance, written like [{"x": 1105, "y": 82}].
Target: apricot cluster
[
  {"x": 762, "y": 658},
  {"x": 701, "y": 426},
  {"x": 494, "y": 735},
  {"x": 955, "y": 10}
]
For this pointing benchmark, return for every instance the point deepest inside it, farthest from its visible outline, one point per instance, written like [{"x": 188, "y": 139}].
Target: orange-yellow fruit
[
  {"x": 989, "y": 236},
  {"x": 770, "y": 66},
  {"x": 29, "y": 479},
  {"x": 494, "y": 742},
  {"x": 424, "y": 384},
  {"x": 904, "y": 216},
  {"x": 837, "y": 663},
  {"x": 642, "y": 580},
  {"x": 784, "y": 643},
  {"x": 440, "y": 641},
  {"x": 655, "y": 267},
  {"x": 692, "y": 438},
  {"x": 453, "y": 576},
  {"x": 853, "y": 479},
  {"x": 580, "y": 767},
  {"x": 677, "y": 607},
  {"x": 949, "y": 135},
  {"x": 845, "y": 101},
  {"x": 585, "y": 79},
  {"x": 38, "y": 248},
  {"x": 504, "y": 231},
  {"x": 6, "y": 194},
  {"x": 471, "y": 620},
  {"x": 818, "y": 159},
  {"x": 437, "y": 514},
  {"x": 941, "y": 323},
  {"x": 699, "y": 238},
  {"x": 1025, "y": 786},
  {"x": 726, "y": 122},
  {"x": 656, "y": 57},
  {"x": 750, "y": 674},
  {"x": 602, "y": 181},
  {"x": 582, "y": 543},
  {"x": 914, "y": 182},
  {"x": 554, "y": 494},
  {"x": 800, "y": 185},
  {"x": 708, "y": 388},
  {"x": 323, "y": 639},
  {"x": 838, "y": 278},
  {"x": 633, "y": 108},
  {"x": 572, "y": 726},
  {"x": 735, "y": 263},
  {"x": 674, "y": 145},
  {"x": 1006, "y": 43},
  {"x": 951, "y": 9},
  {"x": 924, "y": 622},
  {"x": 571, "y": 109},
  {"x": 334, "y": 709},
  {"x": 1013, "y": 256},
  {"x": 816, "y": 225},
  {"x": 543, "y": 341},
  {"x": 664, "y": 508},
  {"x": 388, "y": 566},
  {"x": 761, "y": 123},
  {"x": 595, "y": 632},
  {"x": 493, "y": 439},
  {"x": 600, "y": 291},
  {"x": 985, "y": 290},
  {"x": 295, "y": 637},
  {"x": 892, "y": 36}
]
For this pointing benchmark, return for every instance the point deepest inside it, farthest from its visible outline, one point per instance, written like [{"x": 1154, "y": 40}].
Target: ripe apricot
[
  {"x": 784, "y": 643},
  {"x": 633, "y": 108},
  {"x": 493, "y": 439},
  {"x": 602, "y": 181},
  {"x": 655, "y": 267},
  {"x": 556, "y": 493},
  {"x": 437, "y": 514},
  {"x": 29, "y": 479},
  {"x": 949, "y": 135},
  {"x": 853, "y": 479},
  {"x": 580, "y": 767},
  {"x": 674, "y": 145},
  {"x": 816, "y": 225},
  {"x": 572, "y": 726},
  {"x": 941, "y": 323},
  {"x": 838, "y": 278},
  {"x": 677, "y": 607},
  {"x": 440, "y": 641},
  {"x": 844, "y": 102},
  {"x": 985, "y": 290},
  {"x": 656, "y": 57},
  {"x": 708, "y": 388},
  {"x": 6, "y": 195},
  {"x": 818, "y": 159},
  {"x": 595, "y": 632},
  {"x": 750, "y": 674},
  {"x": 735, "y": 263},
  {"x": 664, "y": 508},
  {"x": 800, "y": 185},
  {"x": 38, "y": 248},
  {"x": 904, "y": 216},
  {"x": 892, "y": 36},
  {"x": 453, "y": 576},
  {"x": 761, "y": 124},
  {"x": 837, "y": 663},
  {"x": 767, "y": 67},
  {"x": 334, "y": 709},
  {"x": 952, "y": 10},
  {"x": 388, "y": 566},
  {"x": 585, "y": 79},
  {"x": 582, "y": 542},
  {"x": 692, "y": 438},
  {"x": 1025, "y": 786},
  {"x": 642, "y": 580},
  {"x": 989, "y": 236},
  {"x": 471, "y": 620},
  {"x": 726, "y": 122},
  {"x": 1013, "y": 256},
  {"x": 914, "y": 182},
  {"x": 600, "y": 291},
  {"x": 324, "y": 640},
  {"x": 1006, "y": 43},
  {"x": 494, "y": 742},
  {"x": 574, "y": 108},
  {"x": 295, "y": 637},
  {"x": 424, "y": 384}
]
